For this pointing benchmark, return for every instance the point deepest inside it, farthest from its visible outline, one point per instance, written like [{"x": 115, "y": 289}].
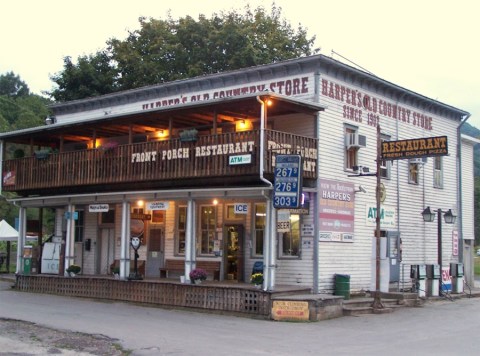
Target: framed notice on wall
[{"x": 158, "y": 216}]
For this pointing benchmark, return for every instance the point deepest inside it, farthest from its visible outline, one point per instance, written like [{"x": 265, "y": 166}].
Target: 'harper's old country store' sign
[{"x": 414, "y": 148}]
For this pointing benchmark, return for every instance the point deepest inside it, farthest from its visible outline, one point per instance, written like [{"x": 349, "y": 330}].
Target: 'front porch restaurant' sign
[
  {"x": 237, "y": 152},
  {"x": 414, "y": 148}
]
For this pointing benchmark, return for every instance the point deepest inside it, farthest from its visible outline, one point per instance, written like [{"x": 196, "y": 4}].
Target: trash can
[{"x": 342, "y": 285}]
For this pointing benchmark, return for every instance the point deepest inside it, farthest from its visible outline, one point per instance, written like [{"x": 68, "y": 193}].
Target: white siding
[
  {"x": 409, "y": 200},
  {"x": 468, "y": 190}
]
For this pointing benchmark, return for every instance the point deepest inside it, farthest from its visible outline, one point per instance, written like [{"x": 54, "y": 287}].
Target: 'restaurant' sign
[{"x": 413, "y": 148}]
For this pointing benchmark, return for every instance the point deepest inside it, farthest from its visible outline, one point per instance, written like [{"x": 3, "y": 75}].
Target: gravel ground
[{"x": 24, "y": 338}]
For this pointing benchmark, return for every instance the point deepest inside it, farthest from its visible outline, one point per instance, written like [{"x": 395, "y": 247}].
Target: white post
[
  {"x": 22, "y": 223},
  {"x": 190, "y": 241},
  {"x": 125, "y": 241},
  {"x": 70, "y": 238}
]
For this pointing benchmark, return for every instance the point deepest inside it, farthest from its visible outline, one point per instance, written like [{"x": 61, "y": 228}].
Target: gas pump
[
  {"x": 433, "y": 280},
  {"x": 418, "y": 273},
  {"x": 456, "y": 272}
]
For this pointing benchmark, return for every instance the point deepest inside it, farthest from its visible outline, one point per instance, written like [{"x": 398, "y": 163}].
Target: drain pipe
[
  {"x": 269, "y": 245},
  {"x": 263, "y": 122},
  {"x": 459, "y": 187}
]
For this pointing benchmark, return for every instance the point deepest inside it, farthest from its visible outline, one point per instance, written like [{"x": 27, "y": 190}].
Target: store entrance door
[
  {"x": 106, "y": 250},
  {"x": 234, "y": 255}
]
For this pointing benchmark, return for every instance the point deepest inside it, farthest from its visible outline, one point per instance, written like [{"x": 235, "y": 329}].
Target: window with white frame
[
  {"x": 290, "y": 241},
  {"x": 438, "y": 172},
  {"x": 385, "y": 166},
  {"x": 208, "y": 221},
  {"x": 351, "y": 151},
  {"x": 260, "y": 212},
  {"x": 413, "y": 171},
  {"x": 181, "y": 230}
]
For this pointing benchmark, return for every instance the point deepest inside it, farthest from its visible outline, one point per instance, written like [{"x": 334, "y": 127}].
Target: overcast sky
[{"x": 428, "y": 46}]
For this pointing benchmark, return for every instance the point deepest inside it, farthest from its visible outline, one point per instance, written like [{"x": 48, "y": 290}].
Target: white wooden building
[{"x": 333, "y": 233}]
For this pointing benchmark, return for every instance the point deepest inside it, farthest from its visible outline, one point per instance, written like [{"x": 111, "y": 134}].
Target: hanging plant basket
[
  {"x": 42, "y": 154},
  {"x": 189, "y": 135}
]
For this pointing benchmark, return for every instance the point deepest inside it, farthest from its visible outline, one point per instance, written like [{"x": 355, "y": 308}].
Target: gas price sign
[{"x": 288, "y": 181}]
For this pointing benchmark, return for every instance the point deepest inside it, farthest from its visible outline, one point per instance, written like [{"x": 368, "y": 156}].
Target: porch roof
[{"x": 188, "y": 115}]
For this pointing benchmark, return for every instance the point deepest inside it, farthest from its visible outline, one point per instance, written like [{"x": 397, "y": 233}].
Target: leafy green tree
[
  {"x": 167, "y": 50},
  {"x": 93, "y": 75},
  {"x": 11, "y": 85}
]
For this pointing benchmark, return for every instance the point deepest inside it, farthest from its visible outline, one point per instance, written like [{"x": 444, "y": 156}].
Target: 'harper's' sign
[{"x": 414, "y": 148}]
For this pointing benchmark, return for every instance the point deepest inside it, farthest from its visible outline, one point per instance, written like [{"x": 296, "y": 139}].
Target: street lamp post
[{"x": 429, "y": 216}]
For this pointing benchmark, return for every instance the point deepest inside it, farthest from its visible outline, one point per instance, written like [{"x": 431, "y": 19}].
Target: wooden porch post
[
  {"x": 190, "y": 240},
  {"x": 125, "y": 241}
]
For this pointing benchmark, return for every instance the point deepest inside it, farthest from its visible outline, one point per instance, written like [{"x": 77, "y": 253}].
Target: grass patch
[{"x": 477, "y": 266}]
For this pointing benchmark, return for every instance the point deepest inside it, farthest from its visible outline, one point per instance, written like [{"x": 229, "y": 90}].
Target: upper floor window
[
  {"x": 385, "y": 166},
  {"x": 414, "y": 170},
  {"x": 351, "y": 152},
  {"x": 438, "y": 172},
  {"x": 208, "y": 222},
  {"x": 353, "y": 142}
]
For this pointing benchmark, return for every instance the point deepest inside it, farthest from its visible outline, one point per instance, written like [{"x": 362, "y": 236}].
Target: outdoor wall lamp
[{"x": 429, "y": 216}]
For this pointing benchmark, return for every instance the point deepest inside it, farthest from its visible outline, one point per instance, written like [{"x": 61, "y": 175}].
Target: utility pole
[{"x": 377, "y": 300}]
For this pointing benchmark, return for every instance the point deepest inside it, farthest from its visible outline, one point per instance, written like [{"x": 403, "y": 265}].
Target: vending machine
[
  {"x": 418, "y": 274},
  {"x": 456, "y": 272},
  {"x": 433, "y": 280}
]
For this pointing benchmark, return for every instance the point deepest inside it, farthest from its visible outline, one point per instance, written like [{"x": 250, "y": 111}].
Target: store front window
[
  {"x": 181, "y": 230},
  {"x": 290, "y": 241},
  {"x": 208, "y": 220},
  {"x": 259, "y": 233}
]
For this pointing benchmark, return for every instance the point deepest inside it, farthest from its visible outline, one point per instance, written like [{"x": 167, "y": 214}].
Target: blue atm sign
[{"x": 288, "y": 181}]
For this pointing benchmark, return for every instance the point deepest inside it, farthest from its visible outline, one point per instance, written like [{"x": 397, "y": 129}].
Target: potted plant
[
  {"x": 198, "y": 275},
  {"x": 72, "y": 270},
  {"x": 257, "y": 279}
]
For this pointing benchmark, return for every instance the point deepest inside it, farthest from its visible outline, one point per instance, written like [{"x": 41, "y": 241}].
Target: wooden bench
[{"x": 178, "y": 266}]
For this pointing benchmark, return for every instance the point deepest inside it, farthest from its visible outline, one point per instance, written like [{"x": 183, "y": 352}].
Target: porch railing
[
  {"x": 156, "y": 161},
  {"x": 209, "y": 297}
]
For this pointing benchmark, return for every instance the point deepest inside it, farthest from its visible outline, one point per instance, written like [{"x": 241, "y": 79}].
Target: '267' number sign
[{"x": 288, "y": 181}]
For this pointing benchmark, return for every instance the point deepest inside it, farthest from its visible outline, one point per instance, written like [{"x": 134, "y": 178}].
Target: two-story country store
[{"x": 189, "y": 169}]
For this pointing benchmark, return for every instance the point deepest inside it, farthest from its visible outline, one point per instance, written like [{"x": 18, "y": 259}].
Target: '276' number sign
[{"x": 288, "y": 181}]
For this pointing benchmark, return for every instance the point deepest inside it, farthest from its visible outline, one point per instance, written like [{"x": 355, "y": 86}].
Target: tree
[
  {"x": 22, "y": 112},
  {"x": 93, "y": 75},
  {"x": 168, "y": 50},
  {"x": 11, "y": 85}
]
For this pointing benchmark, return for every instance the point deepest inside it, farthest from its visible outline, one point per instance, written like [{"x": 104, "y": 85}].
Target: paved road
[{"x": 438, "y": 328}]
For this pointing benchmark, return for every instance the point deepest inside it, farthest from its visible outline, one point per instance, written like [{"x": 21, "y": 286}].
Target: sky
[{"x": 428, "y": 46}]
